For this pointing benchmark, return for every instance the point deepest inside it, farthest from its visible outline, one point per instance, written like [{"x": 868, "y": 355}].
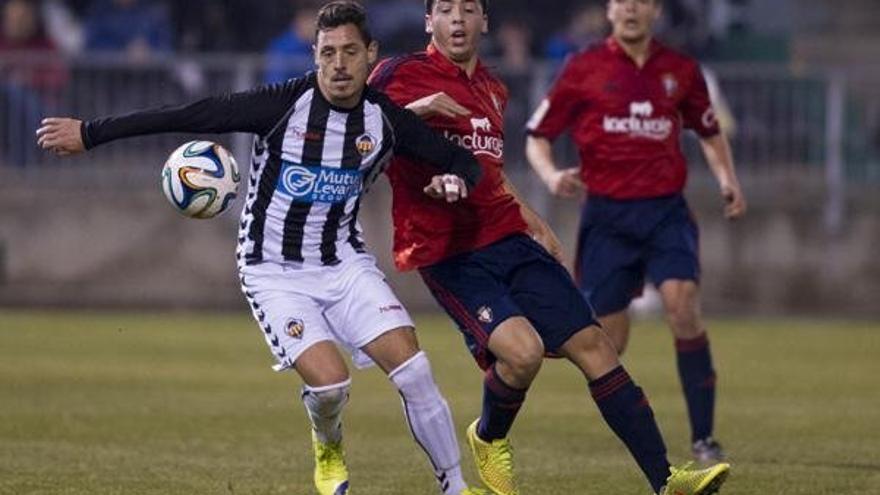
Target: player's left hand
[
  {"x": 734, "y": 201},
  {"x": 448, "y": 186},
  {"x": 61, "y": 136}
]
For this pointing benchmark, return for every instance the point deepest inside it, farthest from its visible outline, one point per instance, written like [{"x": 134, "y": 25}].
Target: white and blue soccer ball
[{"x": 200, "y": 179}]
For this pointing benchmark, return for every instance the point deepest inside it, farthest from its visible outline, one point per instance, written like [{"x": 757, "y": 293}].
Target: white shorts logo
[{"x": 484, "y": 314}]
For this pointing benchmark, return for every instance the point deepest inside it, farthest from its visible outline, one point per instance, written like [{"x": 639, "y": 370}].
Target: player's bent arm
[
  {"x": 539, "y": 152},
  {"x": 719, "y": 157},
  {"x": 538, "y": 228},
  {"x": 414, "y": 139}
]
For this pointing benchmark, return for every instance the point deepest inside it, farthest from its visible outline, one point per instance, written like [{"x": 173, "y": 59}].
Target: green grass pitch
[{"x": 111, "y": 403}]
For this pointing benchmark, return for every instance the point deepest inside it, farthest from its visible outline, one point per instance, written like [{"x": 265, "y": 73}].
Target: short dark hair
[
  {"x": 429, "y": 6},
  {"x": 341, "y": 12}
]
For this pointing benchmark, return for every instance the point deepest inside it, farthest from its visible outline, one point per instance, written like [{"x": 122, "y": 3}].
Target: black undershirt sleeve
[
  {"x": 416, "y": 140},
  {"x": 255, "y": 111}
]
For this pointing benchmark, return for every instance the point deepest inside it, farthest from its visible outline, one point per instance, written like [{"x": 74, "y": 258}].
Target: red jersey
[
  {"x": 427, "y": 230},
  {"x": 626, "y": 121}
]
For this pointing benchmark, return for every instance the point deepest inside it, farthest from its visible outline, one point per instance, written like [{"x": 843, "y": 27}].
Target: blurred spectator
[
  {"x": 399, "y": 25},
  {"x": 204, "y": 26},
  {"x": 30, "y": 76},
  {"x": 290, "y": 54},
  {"x": 587, "y": 24},
  {"x": 513, "y": 41},
  {"x": 63, "y": 27},
  {"x": 137, "y": 27}
]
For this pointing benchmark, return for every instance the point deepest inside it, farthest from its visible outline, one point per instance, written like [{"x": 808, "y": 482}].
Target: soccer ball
[{"x": 200, "y": 179}]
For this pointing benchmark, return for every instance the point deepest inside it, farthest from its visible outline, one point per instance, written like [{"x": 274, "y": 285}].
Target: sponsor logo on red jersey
[
  {"x": 639, "y": 123},
  {"x": 481, "y": 141}
]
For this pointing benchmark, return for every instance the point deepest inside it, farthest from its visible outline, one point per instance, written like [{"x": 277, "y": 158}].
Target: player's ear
[
  {"x": 372, "y": 52},
  {"x": 428, "y": 27},
  {"x": 485, "y": 29}
]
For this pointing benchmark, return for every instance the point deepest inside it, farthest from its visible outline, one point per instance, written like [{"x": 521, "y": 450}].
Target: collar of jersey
[
  {"x": 448, "y": 66},
  {"x": 615, "y": 48}
]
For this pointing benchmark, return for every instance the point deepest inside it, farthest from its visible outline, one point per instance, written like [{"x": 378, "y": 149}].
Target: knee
[
  {"x": 523, "y": 363},
  {"x": 326, "y": 401}
]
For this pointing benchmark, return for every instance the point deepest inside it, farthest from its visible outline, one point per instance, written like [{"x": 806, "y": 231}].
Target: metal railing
[{"x": 819, "y": 125}]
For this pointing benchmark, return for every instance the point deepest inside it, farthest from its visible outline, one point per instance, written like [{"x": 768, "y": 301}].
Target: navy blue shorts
[
  {"x": 513, "y": 277},
  {"x": 623, "y": 242}
]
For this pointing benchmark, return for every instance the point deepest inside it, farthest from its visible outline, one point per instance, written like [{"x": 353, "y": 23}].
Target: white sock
[
  {"x": 324, "y": 407},
  {"x": 430, "y": 420}
]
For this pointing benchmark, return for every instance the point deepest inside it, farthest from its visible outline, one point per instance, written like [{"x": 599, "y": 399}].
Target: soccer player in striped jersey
[
  {"x": 626, "y": 101},
  {"x": 492, "y": 263},
  {"x": 321, "y": 140}
]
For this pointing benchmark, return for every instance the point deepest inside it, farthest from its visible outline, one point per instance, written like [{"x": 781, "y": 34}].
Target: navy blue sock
[
  {"x": 628, "y": 413},
  {"x": 501, "y": 404},
  {"x": 698, "y": 383}
]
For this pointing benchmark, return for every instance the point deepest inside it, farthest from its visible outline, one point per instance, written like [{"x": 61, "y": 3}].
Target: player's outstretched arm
[
  {"x": 256, "y": 111},
  {"x": 565, "y": 183},
  {"x": 716, "y": 149}
]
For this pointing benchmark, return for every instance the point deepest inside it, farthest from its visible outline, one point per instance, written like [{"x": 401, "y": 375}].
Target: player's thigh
[
  {"x": 473, "y": 296},
  {"x": 291, "y": 322},
  {"x": 548, "y": 296},
  {"x": 673, "y": 249},
  {"x": 393, "y": 348},
  {"x": 366, "y": 308},
  {"x": 321, "y": 365},
  {"x": 610, "y": 269}
]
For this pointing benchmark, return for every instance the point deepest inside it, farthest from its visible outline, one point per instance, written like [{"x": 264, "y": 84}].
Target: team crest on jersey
[
  {"x": 484, "y": 314},
  {"x": 670, "y": 84},
  {"x": 365, "y": 144},
  {"x": 295, "y": 328}
]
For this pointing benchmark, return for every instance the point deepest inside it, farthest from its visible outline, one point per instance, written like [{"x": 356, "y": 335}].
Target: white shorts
[{"x": 296, "y": 307}]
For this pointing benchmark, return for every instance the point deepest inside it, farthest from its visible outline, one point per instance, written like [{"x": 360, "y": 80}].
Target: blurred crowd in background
[{"x": 139, "y": 28}]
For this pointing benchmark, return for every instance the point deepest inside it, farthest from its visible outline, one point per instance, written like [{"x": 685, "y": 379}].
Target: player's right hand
[
  {"x": 61, "y": 136},
  {"x": 565, "y": 183},
  {"x": 438, "y": 104},
  {"x": 448, "y": 186}
]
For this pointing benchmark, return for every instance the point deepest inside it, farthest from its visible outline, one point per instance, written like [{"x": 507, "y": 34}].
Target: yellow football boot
[
  {"x": 494, "y": 462},
  {"x": 331, "y": 475},
  {"x": 684, "y": 481}
]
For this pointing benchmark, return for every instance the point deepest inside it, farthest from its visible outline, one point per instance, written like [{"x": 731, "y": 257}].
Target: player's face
[
  {"x": 633, "y": 20},
  {"x": 344, "y": 62},
  {"x": 456, "y": 26}
]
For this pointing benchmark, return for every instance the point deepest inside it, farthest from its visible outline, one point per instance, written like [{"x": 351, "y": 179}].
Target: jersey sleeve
[
  {"x": 256, "y": 111},
  {"x": 696, "y": 107},
  {"x": 390, "y": 77},
  {"x": 415, "y": 140},
  {"x": 558, "y": 111}
]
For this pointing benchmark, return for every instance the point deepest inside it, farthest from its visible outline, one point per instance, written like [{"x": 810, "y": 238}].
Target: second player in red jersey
[
  {"x": 627, "y": 120},
  {"x": 426, "y": 233}
]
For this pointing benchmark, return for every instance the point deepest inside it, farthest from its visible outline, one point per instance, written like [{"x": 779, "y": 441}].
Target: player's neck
[
  {"x": 469, "y": 66},
  {"x": 638, "y": 51}
]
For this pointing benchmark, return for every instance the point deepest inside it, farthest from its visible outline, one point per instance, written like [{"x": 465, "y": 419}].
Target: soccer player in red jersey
[
  {"x": 625, "y": 102},
  {"x": 493, "y": 265}
]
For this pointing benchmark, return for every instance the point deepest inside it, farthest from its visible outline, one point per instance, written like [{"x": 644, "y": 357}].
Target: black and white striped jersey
[{"x": 311, "y": 161}]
